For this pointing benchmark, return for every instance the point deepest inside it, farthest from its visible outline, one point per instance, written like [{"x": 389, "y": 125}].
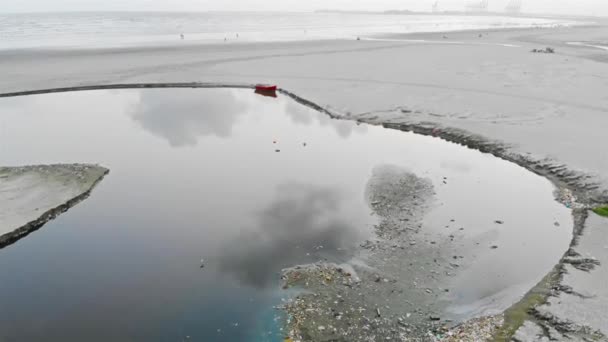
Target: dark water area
[{"x": 251, "y": 185}]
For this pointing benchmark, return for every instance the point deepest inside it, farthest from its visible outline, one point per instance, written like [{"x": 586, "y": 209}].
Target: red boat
[
  {"x": 269, "y": 90},
  {"x": 266, "y": 87}
]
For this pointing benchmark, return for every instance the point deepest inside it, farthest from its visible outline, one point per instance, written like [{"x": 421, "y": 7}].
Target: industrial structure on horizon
[
  {"x": 482, "y": 6},
  {"x": 514, "y": 7}
]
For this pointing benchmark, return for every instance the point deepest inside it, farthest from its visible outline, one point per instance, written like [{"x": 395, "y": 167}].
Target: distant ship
[
  {"x": 477, "y": 6},
  {"x": 514, "y": 7}
]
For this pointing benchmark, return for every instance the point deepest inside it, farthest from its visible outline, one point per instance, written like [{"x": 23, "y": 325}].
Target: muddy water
[{"x": 251, "y": 185}]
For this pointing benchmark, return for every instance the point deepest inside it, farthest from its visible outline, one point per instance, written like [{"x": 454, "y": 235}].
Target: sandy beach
[{"x": 548, "y": 112}]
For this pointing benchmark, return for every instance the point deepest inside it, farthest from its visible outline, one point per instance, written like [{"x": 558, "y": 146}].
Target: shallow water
[
  {"x": 114, "y": 29},
  {"x": 251, "y": 184}
]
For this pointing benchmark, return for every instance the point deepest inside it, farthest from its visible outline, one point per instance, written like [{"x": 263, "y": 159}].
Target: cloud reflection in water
[
  {"x": 184, "y": 116},
  {"x": 303, "y": 115},
  {"x": 301, "y": 218}
]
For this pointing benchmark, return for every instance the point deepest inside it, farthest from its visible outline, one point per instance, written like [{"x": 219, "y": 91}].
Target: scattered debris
[
  {"x": 494, "y": 247},
  {"x": 479, "y": 329},
  {"x": 566, "y": 197},
  {"x": 499, "y": 222}
]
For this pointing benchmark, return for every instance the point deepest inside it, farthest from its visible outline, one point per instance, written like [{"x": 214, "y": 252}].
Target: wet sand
[
  {"x": 547, "y": 112},
  {"x": 31, "y": 196},
  {"x": 530, "y": 101}
]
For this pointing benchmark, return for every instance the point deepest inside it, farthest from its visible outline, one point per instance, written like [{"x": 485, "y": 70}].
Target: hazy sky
[{"x": 581, "y": 7}]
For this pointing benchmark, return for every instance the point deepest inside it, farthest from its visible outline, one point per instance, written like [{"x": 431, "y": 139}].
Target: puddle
[{"x": 251, "y": 184}]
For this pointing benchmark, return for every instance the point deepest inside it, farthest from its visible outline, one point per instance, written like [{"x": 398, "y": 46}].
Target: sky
[{"x": 574, "y": 7}]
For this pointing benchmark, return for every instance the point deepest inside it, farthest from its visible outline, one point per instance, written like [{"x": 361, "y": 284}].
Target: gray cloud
[
  {"x": 301, "y": 218},
  {"x": 181, "y": 117}
]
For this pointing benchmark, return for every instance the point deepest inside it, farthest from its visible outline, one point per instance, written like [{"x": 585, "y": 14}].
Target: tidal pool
[{"x": 251, "y": 185}]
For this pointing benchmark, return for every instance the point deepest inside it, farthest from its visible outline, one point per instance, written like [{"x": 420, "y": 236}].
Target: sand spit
[{"x": 30, "y": 196}]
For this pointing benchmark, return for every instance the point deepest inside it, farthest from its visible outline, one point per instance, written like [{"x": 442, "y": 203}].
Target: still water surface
[{"x": 251, "y": 184}]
